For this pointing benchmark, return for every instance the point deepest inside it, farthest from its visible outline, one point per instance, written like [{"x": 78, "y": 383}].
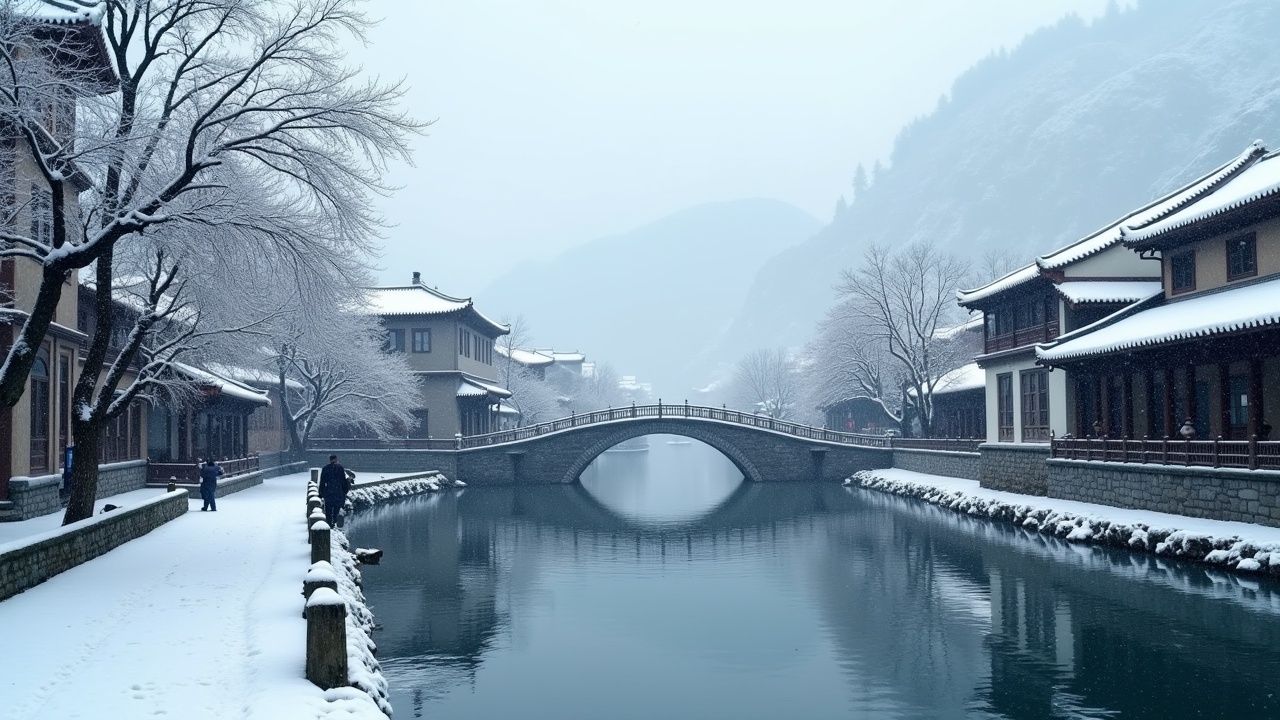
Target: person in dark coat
[
  {"x": 209, "y": 475},
  {"x": 335, "y": 483}
]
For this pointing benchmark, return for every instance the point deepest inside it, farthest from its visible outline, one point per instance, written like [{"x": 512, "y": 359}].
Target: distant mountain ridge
[
  {"x": 652, "y": 300},
  {"x": 1036, "y": 147}
]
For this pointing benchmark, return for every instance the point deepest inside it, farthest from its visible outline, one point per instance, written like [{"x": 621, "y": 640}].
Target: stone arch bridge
[{"x": 762, "y": 448}]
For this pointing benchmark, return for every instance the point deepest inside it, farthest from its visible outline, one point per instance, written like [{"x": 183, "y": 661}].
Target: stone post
[
  {"x": 315, "y": 476},
  {"x": 320, "y": 542},
  {"x": 327, "y": 639},
  {"x": 321, "y": 575}
]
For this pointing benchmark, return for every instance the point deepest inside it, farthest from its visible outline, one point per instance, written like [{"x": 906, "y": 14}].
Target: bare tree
[
  {"x": 210, "y": 93},
  {"x": 901, "y": 299},
  {"x": 766, "y": 380},
  {"x": 598, "y": 390},
  {"x": 845, "y": 361}
]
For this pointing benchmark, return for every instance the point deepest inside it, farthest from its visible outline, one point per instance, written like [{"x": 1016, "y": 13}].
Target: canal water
[{"x": 664, "y": 587}]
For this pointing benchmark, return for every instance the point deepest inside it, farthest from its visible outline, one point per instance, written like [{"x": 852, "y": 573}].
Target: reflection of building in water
[{"x": 1072, "y": 629}]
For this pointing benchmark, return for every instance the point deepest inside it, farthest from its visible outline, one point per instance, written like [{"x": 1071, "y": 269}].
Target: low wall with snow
[
  {"x": 939, "y": 462},
  {"x": 30, "y": 561},
  {"x": 1014, "y": 467},
  {"x": 1214, "y": 493},
  {"x": 364, "y": 494},
  {"x": 36, "y": 496}
]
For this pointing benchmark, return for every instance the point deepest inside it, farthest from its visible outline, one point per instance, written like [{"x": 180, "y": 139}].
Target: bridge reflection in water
[{"x": 550, "y": 601}]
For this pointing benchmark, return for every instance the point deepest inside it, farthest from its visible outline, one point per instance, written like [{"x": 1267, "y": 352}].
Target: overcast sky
[{"x": 559, "y": 121}]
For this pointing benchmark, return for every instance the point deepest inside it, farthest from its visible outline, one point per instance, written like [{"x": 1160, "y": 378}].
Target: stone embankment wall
[
  {"x": 939, "y": 462},
  {"x": 31, "y": 561},
  {"x": 1216, "y": 493},
  {"x": 389, "y": 461},
  {"x": 1014, "y": 467}
]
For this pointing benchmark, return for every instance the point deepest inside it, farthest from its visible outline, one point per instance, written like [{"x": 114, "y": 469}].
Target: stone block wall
[
  {"x": 1215, "y": 493},
  {"x": 25, "y": 564},
  {"x": 388, "y": 461},
  {"x": 939, "y": 462},
  {"x": 121, "y": 477},
  {"x": 1014, "y": 467},
  {"x": 35, "y": 496}
]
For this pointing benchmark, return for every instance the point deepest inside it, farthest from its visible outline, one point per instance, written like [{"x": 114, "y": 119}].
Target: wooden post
[
  {"x": 320, "y": 542},
  {"x": 1253, "y": 452},
  {"x": 1217, "y": 462},
  {"x": 1224, "y": 400},
  {"x": 321, "y": 574},
  {"x": 1126, "y": 407},
  {"x": 1167, "y": 391},
  {"x": 1191, "y": 394},
  {"x": 327, "y": 639},
  {"x": 1255, "y": 396}
]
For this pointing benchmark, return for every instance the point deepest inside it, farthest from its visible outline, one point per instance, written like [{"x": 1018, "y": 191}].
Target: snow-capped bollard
[
  {"x": 316, "y": 516},
  {"x": 320, "y": 575},
  {"x": 320, "y": 542},
  {"x": 327, "y": 639},
  {"x": 313, "y": 505},
  {"x": 315, "y": 477}
]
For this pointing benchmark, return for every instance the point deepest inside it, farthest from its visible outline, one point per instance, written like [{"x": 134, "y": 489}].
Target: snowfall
[{"x": 200, "y": 618}]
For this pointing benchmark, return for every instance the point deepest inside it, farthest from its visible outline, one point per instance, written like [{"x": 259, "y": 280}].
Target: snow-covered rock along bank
[
  {"x": 364, "y": 495},
  {"x": 1231, "y": 552},
  {"x": 368, "y": 685}
]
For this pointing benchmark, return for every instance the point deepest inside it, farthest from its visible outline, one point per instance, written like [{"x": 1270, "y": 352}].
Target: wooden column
[
  {"x": 1149, "y": 392},
  {"x": 1256, "y": 415},
  {"x": 1224, "y": 399},
  {"x": 1169, "y": 420},
  {"x": 1191, "y": 393},
  {"x": 1126, "y": 407},
  {"x": 1099, "y": 409}
]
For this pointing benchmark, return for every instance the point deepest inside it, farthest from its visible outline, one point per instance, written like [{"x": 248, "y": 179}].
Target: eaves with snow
[
  {"x": 1152, "y": 215},
  {"x": 1229, "y": 310},
  {"x": 420, "y": 300},
  {"x": 221, "y": 385},
  {"x": 965, "y": 377},
  {"x": 528, "y": 358}
]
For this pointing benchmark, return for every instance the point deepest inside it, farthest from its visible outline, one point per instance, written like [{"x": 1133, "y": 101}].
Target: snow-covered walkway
[{"x": 197, "y": 619}]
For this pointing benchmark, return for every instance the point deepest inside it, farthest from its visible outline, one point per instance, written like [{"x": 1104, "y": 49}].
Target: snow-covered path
[{"x": 198, "y": 619}]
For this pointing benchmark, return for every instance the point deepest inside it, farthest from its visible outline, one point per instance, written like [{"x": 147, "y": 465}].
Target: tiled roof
[
  {"x": 1260, "y": 180},
  {"x": 422, "y": 300},
  {"x": 471, "y": 387},
  {"x": 1229, "y": 310},
  {"x": 1170, "y": 206},
  {"x": 1108, "y": 291},
  {"x": 223, "y": 385},
  {"x": 67, "y": 12},
  {"x": 528, "y": 358}
]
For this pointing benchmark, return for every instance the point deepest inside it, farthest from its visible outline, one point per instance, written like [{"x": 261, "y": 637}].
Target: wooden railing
[
  {"x": 381, "y": 444},
  {"x": 189, "y": 472},
  {"x": 1022, "y": 337},
  {"x": 1252, "y": 454},
  {"x": 950, "y": 444}
]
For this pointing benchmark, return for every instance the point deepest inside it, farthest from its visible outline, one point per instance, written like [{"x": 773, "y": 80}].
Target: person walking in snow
[
  {"x": 335, "y": 483},
  {"x": 209, "y": 475}
]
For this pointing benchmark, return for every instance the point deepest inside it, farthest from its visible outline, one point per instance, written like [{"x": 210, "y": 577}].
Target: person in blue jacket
[
  {"x": 335, "y": 483},
  {"x": 209, "y": 475}
]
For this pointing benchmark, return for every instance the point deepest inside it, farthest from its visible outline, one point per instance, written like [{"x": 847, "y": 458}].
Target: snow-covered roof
[
  {"x": 972, "y": 324},
  {"x": 965, "y": 377},
  {"x": 419, "y": 299},
  {"x": 471, "y": 387},
  {"x": 252, "y": 376},
  {"x": 564, "y": 357},
  {"x": 1108, "y": 291},
  {"x": 1230, "y": 310},
  {"x": 1155, "y": 214},
  {"x": 528, "y": 358},
  {"x": 1260, "y": 180},
  {"x": 225, "y": 386},
  {"x": 64, "y": 13}
]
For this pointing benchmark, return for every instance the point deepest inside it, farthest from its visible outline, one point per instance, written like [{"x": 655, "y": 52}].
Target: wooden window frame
[
  {"x": 1190, "y": 257},
  {"x": 395, "y": 341},
  {"x": 1004, "y": 407},
  {"x": 1249, "y": 240},
  {"x": 419, "y": 334},
  {"x": 1034, "y": 394}
]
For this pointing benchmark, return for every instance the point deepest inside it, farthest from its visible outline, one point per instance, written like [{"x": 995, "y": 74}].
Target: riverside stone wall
[
  {"x": 1014, "y": 467},
  {"x": 939, "y": 462},
  {"x": 36, "y": 496},
  {"x": 27, "y": 563},
  {"x": 1215, "y": 493}
]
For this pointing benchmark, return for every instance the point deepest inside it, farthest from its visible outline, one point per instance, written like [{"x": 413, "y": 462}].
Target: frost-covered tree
[
  {"x": 845, "y": 361},
  {"x": 209, "y": 92},
  {"x": 898, "y": 300},
  {"x": 598, "y": 390},
  {"x": 766, "y": 380},
  {"x": 860, "y": 183}
]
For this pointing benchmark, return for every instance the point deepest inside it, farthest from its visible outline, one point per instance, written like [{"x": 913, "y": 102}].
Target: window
[
  {"x": 1242, "y": 256},
  {"x": 41, "y": 211},
  {"x": 395, "y": 341},
  {"x": 1035, "y": 405},
  {"x": 464, "y": 343},
  {"x": 422, "y": 341},
  {"x": 1182, "y": 272},
  {"x": 1004, "y": 406},
  {"x": 40, "y": 414}
]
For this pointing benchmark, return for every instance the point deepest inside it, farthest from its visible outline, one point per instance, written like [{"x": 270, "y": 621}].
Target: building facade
[{"x": 449, "y": 346}]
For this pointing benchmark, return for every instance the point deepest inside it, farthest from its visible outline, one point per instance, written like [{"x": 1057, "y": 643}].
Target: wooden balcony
[{"x": 1023, "y": 337}]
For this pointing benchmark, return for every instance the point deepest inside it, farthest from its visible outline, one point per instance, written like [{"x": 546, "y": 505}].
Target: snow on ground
[
  {"x": 364, "y": 496},
  {"x": 1244, "y": 547},
  {"x": 201, "y": 618},
  {"x": 14, "y": 531}
]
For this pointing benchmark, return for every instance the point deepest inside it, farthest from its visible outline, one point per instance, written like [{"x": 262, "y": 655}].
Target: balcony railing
[
  {"x": 1023, "y": 337},
  {"x": 189, "y": 472},
  {"x": 329, "y": 443},
  {"x": 1250, "y": 454}
]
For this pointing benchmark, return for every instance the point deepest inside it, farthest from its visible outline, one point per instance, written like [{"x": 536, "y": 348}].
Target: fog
[{"x": 560, "y": 121}]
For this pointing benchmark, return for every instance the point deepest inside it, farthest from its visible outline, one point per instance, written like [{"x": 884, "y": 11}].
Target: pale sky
[{"x": 560, "y": 121}]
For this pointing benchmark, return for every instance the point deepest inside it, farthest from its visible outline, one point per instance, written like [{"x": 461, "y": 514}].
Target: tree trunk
[
  {"x": 23, "y": 354},
  {"x": 84, "y": 470}
]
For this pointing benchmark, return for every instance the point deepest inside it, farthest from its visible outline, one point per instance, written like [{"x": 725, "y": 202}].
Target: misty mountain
[
  {"x": 652, "y": 300},
  {"x": 1035, "y": 147}
]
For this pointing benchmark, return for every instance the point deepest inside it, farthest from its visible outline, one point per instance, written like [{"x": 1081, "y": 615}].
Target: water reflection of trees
[{"x": 960, "y": 613}]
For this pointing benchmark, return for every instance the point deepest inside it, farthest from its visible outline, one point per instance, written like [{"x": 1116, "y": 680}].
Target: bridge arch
[{"x": 629, "y": 431}]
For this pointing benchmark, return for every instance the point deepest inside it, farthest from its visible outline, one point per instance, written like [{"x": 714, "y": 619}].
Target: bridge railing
[{"x": 661, "y": 410}]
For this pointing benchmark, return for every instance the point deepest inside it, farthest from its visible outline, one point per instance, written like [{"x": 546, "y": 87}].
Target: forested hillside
[{"x": 1039, "y": 145}]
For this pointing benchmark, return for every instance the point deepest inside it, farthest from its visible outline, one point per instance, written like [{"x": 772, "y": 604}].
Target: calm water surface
[{"x": 663, "y": 587}]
